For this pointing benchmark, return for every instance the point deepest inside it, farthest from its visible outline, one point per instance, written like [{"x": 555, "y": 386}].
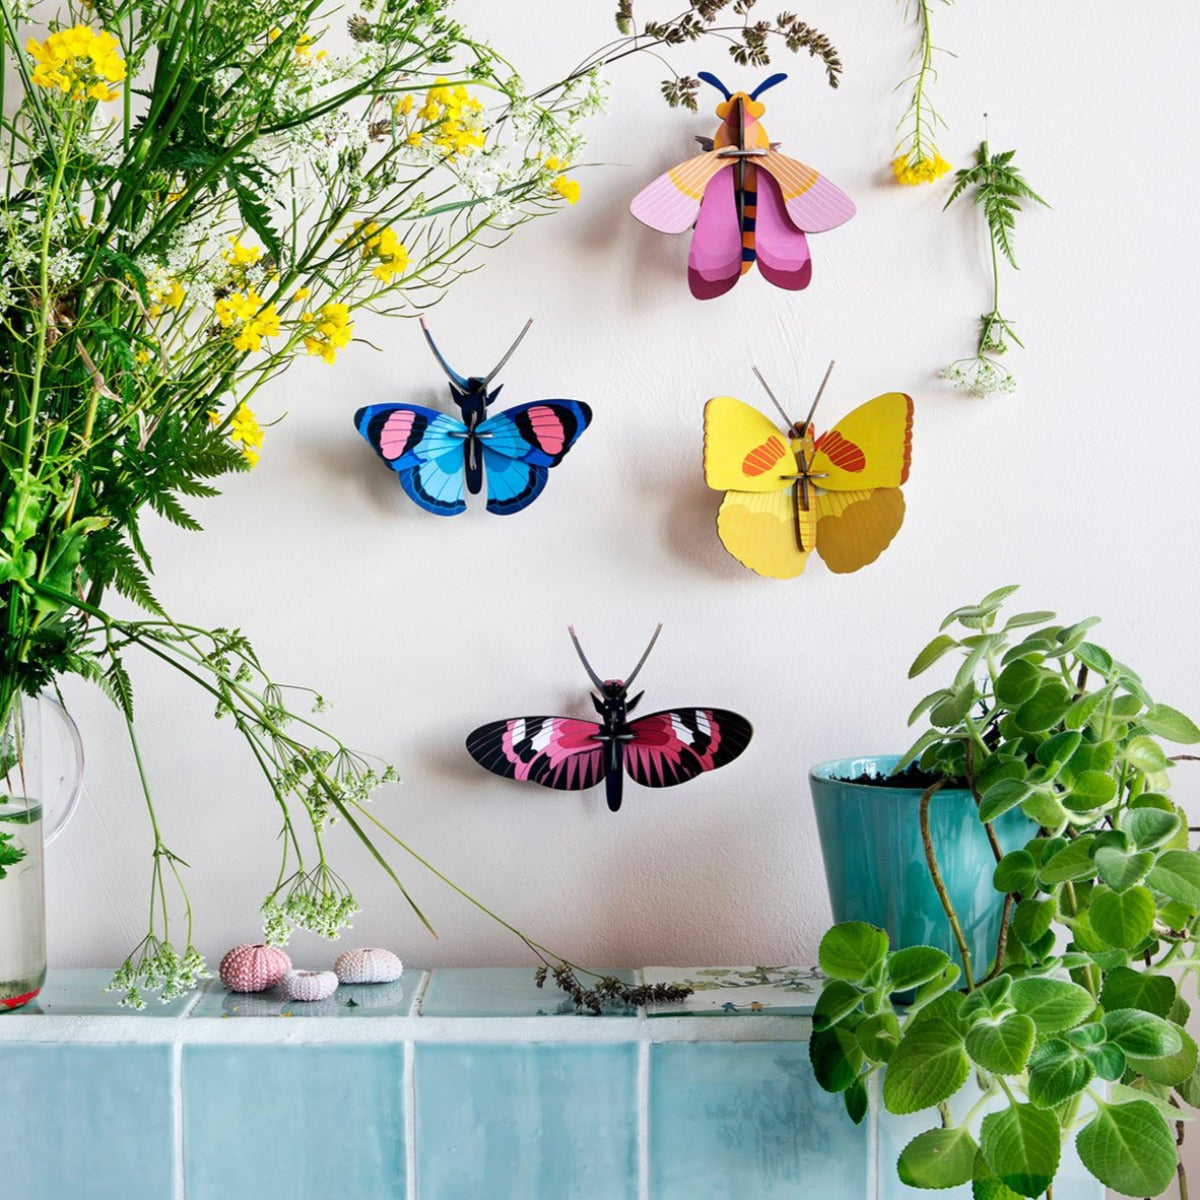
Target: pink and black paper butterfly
[
  {"x": 748, "y": 202},
  {"x": 661, "y": 750},
  {"x": 435, "y": 454}
]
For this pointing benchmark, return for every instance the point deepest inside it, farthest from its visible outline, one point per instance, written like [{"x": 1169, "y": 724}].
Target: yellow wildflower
[
  {"x": 275, "y": 34},
  {"x": 456, "y": 114},
  {"x": 555, "y": 165},
  {"x": 921, "y": 170},
  {"x": 382, "y": 244},
  {"x": 174, "y": 295},
  {"x": 403, "y": 106},
  {"x": 302, "y": 293},
  {"x": 568, "y": 189},
  {"x": 241, "y": 255},
  {"x": 414, "y": 138},
  {"x": 331, "y": 331},
  {"x": 141, "y": 357},
  {"x": 245, "y": 431},
  {"x": 254, "y": 319},
  {"x": 79, "y": 61}
]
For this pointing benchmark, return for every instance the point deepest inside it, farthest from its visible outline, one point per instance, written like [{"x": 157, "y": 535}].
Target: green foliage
[
  {"x": 10, "y": 853},
  {"x": 1101, "y": 917},
  {"x": 998, "y": 188}
]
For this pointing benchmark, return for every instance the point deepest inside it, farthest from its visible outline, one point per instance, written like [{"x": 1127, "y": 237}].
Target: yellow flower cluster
[
  {"x": 254, "y": 319},
  {"x": 168, "y": 294},
  {"x": 245, "y": 430},
  {"x": 303, "y": 46},
  {"x": 922, "y": 170},
  {"x": 331, "y": 331},
  {"x": 241, "y": 255},
  {"x": 456, "y": 115},
  {"x": 568, "y": 189},
  {"x": 78, "y": 61},
  {"x": 382, "y": 244}
]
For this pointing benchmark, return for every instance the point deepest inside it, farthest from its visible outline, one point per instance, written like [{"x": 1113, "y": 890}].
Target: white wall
[{"x": 1082, "y": 486}]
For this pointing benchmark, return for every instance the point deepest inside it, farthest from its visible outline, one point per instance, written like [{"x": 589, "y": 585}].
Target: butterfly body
[
  {"x": 747, "y": 202},
  {"x": 437, "y": 456},
  {"x": 567, "y": 754},
  {"x": 789, "y": 493}
]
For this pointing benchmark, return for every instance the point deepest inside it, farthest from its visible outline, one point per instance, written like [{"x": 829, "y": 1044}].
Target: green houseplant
[{"x": 1075, "y": 1030}]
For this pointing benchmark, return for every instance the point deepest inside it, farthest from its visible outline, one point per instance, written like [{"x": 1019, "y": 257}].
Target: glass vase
[{"x": 41, "y": 775}]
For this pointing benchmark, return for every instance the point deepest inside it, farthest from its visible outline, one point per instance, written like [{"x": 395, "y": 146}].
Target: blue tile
[
  {"x": 86, "y": 1122},
  {"x": 350, "y": 1000},
  {"x": 303, "y": 1121},
  {"x": 506, "y": 992},
  {"x": 729, "y": 1122},
  {"x": 895, "y": 1133},
  {"x": 81, "y": 993},
  {"x": 526, "y": 1122}
]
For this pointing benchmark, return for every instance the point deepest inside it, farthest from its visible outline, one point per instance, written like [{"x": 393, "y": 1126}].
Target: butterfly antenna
[
  {"x": 820, "y": 392},
  {"x": 711, "y": 79},
  {"x": 455, "y": 377},
  {"x": 645, "y": 655},
  {"x": 786, "y": 419},
  {"x": 587, "y": 666},
  {"x": 769, "y": 82},
  {"x": 508, "y": 354}
]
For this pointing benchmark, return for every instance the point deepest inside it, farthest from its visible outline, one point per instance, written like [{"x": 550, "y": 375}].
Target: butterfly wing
[
  {"x": 425, "y": 449},
  {"x": 672, "y": 202},
  {"x": 812, "y": 202},
  {"x": 521, "y": 444},
  {"x": 767, "y": 532},
  {"x": 715, "y": 255},
  {"x": 781, "y": 249},
  {"x": 556, "y": 752},
  {"x": 855, "y": 528},
  {"x": 868, "y": 448},
  {"x": 743, "y": 450},
  {"x": 668, "y": 748}
]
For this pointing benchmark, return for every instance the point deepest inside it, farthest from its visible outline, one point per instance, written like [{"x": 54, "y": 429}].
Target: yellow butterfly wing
[
  {"x": 766, "y": 532},
  {"x": 855, "y": 528},
  {"x": 870, "y": 447},
  {"x": 743, "y": 450}
]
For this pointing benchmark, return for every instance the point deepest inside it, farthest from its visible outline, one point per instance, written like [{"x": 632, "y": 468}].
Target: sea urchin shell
[
  {"x": 254, "y": 968},
  {"x": 368, "y": 965},
  {"x": 310, "y": 985}
]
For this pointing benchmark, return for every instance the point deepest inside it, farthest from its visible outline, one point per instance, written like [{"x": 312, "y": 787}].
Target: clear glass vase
[{"x": 41, "y": 775}]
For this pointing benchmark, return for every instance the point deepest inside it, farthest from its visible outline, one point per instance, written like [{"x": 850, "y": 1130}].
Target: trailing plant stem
[{"x": 935, "y": 875}]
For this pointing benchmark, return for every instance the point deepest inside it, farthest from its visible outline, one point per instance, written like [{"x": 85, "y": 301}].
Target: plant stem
[{"x": 936, "y": 876}]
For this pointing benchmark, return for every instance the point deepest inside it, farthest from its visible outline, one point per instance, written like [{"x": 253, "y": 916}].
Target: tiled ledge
[{"x": 447, "y": 1085}]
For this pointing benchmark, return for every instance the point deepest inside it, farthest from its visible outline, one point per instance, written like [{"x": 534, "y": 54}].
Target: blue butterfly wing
[
  {"x": 521, "y": 444},
  {"x": 425, "y": 449}
]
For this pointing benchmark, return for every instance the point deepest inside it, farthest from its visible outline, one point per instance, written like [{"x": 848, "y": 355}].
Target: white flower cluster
[{"x": 980, "y": 376}]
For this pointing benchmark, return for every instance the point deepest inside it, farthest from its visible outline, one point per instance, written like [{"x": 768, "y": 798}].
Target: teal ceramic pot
[{"x": 875, "y": 860}]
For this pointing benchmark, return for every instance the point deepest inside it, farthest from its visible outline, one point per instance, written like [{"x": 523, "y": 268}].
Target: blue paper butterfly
[{"x": 435, "y": 454}]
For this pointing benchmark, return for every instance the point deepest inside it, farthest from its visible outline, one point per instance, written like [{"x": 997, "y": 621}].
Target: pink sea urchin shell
[
  {"x": 254, "y": 968},
  {"x": 368, "y": 965},
  {"x": 310, "y": 985}
]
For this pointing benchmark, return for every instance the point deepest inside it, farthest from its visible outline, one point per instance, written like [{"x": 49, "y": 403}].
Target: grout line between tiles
[
  {"x": 410, "y": 1121},
  {"x": 180, "y": 1184},
  {"x": 643, "y": 1119}
]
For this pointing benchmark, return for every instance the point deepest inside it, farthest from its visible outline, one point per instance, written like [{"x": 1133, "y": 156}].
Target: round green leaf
[
  {"x": 915, "y": 965},
  {"x": 1095, "y": 657},
  {"x": 878, "y": 1035},
  {"x": 928, "y": 1066},
  {"x": 1176, "y": 874},
  {"x": 1142, "y": 1034},
  {"x": 837, "y": 1000},
  {"x": 856, "y": 1101},
  {"x": 1126, "y": 988},
  {"x": 1122, "y": 919},
  {"x": 1002, "y": 796},
  {"x": 1002, "y": 1046},
  {"x": 1149, "y": 827},
  {"x": 1170, "y": 1069},
  {"x": 1021, "y": 1145},
  {"x": 1056, "y": 750},
  {"x": 1044, "y": 709},
  {"x": 1146, "y": 754},
  {"x": 938, "y": 1158},
  {"x": 1073, "y": 861},
  {"x": 1078, "y": 715},
  {"x": 836, "y": 1057},
  {"x": 1164, "y": 721},
  {"x": 1091, "y": 789},
  {"x": 986, "y": 1186},
  {"x": 1017, "y": 682},
  {"x": 1054, "y": 1004},
  {"x": 852, "y": 950},
  {"x": 1108, "y": 1060},
  {"x": 1120, "y": 870},
  {"x": 1059, "y": 1073},
  {"x": 1129, "y": 1148},
  {"x": 1031, "y": 919},
  {"x": 1015, "y": 872}
]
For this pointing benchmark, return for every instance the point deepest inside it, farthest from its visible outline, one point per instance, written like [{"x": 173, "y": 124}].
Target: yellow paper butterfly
[{"x": 787, "y": 494}]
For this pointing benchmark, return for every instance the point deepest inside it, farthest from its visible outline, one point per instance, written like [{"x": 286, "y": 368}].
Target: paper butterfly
[
  {"x": 788, "y": 494},
  {"x": 435, "y": 454},
  {"x": 661, "y": 750},
  {"x": 748, "y": 202}
]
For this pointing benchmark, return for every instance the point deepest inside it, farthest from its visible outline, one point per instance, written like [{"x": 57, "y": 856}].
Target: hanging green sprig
[
  {"x": 917, "y": 159},
  {"x": 999, "y": 188}
]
